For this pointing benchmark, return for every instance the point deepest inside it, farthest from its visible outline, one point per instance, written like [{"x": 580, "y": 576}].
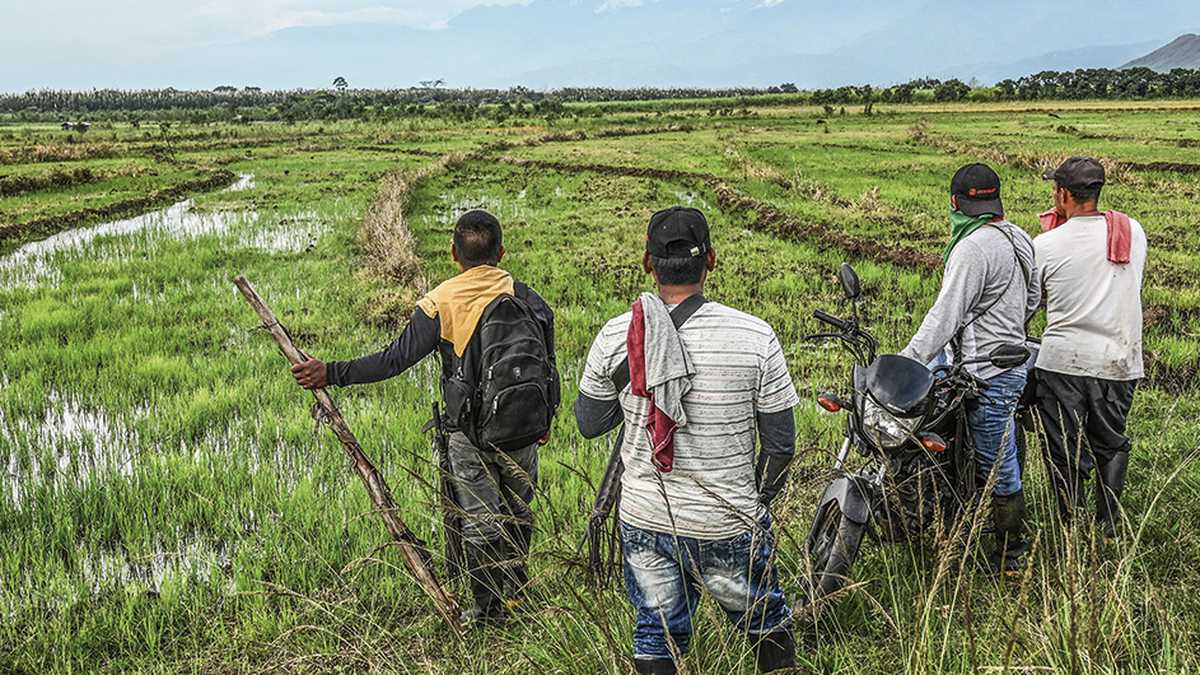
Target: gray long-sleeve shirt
[{"x": 982, "y": 270}]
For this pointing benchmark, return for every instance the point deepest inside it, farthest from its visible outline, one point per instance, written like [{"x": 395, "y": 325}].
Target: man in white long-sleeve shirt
[
  {"x": 988, "y": 292},
  {"x": 1090, "y": 265}
]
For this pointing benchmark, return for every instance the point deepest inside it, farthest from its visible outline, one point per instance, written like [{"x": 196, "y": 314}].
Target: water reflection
[{"x": 33, "y": 265}]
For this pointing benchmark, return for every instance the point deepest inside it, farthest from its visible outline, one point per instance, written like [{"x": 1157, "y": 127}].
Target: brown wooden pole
[{"x": 411, "y": 547}]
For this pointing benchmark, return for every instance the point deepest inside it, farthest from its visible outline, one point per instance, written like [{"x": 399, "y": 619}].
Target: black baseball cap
[
  {"x": 677, "y": 232},
  {"x": 977, "y": 189},
  {"x": 1077, "y": 173}
]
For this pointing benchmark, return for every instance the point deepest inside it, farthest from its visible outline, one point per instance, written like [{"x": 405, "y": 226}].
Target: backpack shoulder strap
[
  {"x": 520, "y": 290},
  {"x": 682, "y": 312}
]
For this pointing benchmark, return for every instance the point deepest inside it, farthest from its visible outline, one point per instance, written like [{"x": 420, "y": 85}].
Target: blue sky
[{"x": 81, "y": 44}]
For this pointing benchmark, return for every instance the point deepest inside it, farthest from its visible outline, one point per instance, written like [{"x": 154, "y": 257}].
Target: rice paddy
[{"x": 169, "y": 503}]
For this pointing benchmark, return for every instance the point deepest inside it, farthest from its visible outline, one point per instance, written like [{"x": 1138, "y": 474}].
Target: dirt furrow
[
  {"x": 1120, "y": 171},
  {"x": 769, "y": 219},
  {"x": 11, "y": 186}
]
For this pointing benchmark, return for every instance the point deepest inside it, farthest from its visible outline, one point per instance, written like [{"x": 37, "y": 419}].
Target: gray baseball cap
[{"x": 1077, "y": 173}]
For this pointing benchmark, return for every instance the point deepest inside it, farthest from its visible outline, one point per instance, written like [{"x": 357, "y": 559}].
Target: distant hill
[
  {"x": 1106, "y": 56},
  {"x": 1183, "y": 52}
]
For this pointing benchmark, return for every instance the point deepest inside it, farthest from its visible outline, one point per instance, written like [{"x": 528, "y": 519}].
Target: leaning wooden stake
[{"x": 411, "y": 547}]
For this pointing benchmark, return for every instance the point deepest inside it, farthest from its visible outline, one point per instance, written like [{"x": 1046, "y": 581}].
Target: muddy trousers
[
  {"x": 494, "y": 491},
  {"x": 1084, "y": 423}
]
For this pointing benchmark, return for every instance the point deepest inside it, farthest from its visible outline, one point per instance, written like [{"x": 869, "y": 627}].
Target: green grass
[{"x": 170, "y": 504}]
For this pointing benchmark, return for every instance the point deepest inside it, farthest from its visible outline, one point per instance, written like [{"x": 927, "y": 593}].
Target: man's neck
[
  {"x": 476, "y": 268},
  {"x": 1086, "y": 212},
  {"x": 673, "y": 295}
]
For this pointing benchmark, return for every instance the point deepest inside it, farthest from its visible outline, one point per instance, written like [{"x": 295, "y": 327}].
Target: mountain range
[
  {"x": 628, "y": 43},
  {"x": 1182, "y": 52}
]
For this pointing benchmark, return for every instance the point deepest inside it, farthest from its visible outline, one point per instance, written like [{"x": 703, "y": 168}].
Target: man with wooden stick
[
  {"x": 501, "y": 390},
  {"x": 694, "y": 382}
]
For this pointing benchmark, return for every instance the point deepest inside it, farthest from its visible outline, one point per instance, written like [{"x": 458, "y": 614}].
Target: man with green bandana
[{"x": 988, "y": 292}]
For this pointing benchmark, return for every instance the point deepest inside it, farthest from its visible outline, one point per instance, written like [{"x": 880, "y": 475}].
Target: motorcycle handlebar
[{"x": 832, "y": 320}]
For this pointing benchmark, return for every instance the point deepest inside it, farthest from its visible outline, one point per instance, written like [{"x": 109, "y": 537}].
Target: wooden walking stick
[{"x": 411, "y": 547}]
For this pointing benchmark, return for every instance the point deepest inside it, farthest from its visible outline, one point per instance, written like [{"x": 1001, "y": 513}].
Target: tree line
[{"x": 228, "y": 103}]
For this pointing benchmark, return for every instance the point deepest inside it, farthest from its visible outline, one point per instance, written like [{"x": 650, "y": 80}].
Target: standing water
[{"x": 31, "y": 265}]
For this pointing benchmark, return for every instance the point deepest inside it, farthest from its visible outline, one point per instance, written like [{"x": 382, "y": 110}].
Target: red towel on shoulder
[
  {"x": 660, "y": 426},
  {"x": 1120, "y": 233}
]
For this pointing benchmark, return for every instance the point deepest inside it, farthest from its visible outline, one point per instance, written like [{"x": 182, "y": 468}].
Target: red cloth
[
  {"x": 1120, "y": 233},
  {"x": 660, "y": 427}
]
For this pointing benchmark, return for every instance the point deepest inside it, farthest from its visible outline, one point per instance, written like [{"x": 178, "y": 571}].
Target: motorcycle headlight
[{"x": 887, "y": 430}]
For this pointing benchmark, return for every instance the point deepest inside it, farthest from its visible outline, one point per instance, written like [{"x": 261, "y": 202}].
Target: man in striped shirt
[{"x": 702, "y": 520}]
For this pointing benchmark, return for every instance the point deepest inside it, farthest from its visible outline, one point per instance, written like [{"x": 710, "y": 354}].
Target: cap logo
[{"x": 974, "y": 192}]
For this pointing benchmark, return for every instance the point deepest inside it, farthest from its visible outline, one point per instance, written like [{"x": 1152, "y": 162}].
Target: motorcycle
[{"x": 909, "y": 423}]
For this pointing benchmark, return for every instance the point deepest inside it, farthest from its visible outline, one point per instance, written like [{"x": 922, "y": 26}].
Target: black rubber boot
[
  {"x": 1068, "y": 493},
  {"x": 1110, "y": 483},
  {"x": 1011, "y": 545},
  {"x": 484, "y": 567},
  {"x": 776, "y": 651},
  {"x": 655, "y": 666}
]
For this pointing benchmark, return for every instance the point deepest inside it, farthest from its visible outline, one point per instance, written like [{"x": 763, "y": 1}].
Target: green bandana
[{"x": 961, "y": 227}]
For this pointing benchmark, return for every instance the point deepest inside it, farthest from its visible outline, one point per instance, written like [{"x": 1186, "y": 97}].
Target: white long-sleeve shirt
[
  {"x": 1093, "y": 307},
  {"x": 985, "y": 295}
]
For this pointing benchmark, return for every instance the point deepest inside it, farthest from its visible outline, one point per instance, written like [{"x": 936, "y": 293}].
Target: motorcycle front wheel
[{"x": 832, "y": 547}]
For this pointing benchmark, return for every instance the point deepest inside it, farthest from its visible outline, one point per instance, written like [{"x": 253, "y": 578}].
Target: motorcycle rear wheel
[{"x": 832, "y": 547}]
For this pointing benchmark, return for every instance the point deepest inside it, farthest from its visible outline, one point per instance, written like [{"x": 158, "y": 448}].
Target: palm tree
[{"x": 340, "y": 83}]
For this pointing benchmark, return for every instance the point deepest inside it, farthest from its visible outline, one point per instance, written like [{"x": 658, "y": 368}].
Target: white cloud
[
  {"x": 609, "y": 5},
  {"x": 140, "y": 29},
  {"x": 261, "y": 16}
]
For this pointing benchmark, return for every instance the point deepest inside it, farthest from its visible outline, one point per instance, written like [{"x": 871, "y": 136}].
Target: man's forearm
[
  {"x": 419, "y": 339},
  {"x": 777, "y": 436},
  {"x": 595, "y": 417}
]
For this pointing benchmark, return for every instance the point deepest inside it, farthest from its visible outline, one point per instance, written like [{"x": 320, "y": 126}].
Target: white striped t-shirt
[{"x": 740, "y": 371}]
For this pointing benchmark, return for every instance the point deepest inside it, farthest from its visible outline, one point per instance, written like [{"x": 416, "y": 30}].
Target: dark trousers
[
  {"x": 494, "y": 489},
  {"x": 1084, "y": 420}
]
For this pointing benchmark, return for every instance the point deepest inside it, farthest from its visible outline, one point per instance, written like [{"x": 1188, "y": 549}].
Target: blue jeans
[
  {"x": 993, "y": 429},
  {"x": 664, "y": 573}
]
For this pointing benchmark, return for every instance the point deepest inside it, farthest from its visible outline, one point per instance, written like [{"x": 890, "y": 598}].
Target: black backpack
[{"x": 505, "y": 390}]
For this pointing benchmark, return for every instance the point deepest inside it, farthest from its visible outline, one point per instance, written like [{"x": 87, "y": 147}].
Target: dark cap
[
  {"x": 1077, "y": 173},
  {"x": 977, "y": 189},
  {"x": 677, "y": 232}
]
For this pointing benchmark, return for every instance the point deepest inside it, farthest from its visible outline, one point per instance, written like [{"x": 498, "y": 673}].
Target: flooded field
[{"x": 169, "y": 503}]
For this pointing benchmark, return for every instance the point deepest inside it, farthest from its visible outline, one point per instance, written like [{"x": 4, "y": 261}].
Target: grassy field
[{"x": 168, "y": 503}]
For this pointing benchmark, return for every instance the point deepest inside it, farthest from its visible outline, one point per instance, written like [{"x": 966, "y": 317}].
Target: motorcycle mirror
[
  {"x": 1009, "y": 356},
  {"x": 849, "y": 279}
]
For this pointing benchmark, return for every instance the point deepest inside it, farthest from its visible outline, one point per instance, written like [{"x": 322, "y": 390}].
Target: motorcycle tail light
[
  {"x": 933, "y": 443},
  {"x": 829, "y": 402}
]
